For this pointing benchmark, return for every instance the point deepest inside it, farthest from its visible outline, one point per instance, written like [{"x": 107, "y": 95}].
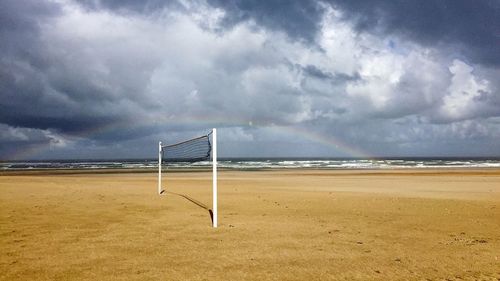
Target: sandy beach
[{"x": 273, "y": 225}]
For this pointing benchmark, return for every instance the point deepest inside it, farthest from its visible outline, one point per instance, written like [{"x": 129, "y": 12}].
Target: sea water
[{"x": 263, "y": 163}]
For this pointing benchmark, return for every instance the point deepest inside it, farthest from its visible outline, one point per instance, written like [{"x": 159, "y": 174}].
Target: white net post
[
  {"x": 159, "y": 168},
  {"x": 214, "y": 176}
]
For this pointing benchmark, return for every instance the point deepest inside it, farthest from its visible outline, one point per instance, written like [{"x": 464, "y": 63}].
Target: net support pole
[
  {"x": 159, "y": 168},
  {"x": 214, "y": 175}
]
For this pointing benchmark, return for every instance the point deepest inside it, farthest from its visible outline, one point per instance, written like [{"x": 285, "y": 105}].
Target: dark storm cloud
[
  {"x": 131, "y": 6},
  {"x": 56, "y": 80},
  {"x": 32, "y": 98},
  {"x": 299, "y": 19},
  {"x": 14, "y": 140},
  {"x": 336, "y": 78},
  {"x": 21, "y": 17},
  {"x": 472, "y": 27},
  {"x": 54, "y": 85},
  {"x": 468, "y": 28},
  {"x": 19, "y": 28},
  {"x": 21, "y": 58}
]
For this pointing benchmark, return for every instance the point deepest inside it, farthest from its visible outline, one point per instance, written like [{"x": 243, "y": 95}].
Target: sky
[{"x": 89, "y": 79}]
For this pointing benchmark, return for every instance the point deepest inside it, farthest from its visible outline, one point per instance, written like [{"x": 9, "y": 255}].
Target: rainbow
[
  {"x": 336, "y": 144},
  {"x": 329, "y": 141}
]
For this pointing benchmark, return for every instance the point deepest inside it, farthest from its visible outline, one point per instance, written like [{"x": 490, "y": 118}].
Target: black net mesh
[{"x": 193, "y": 150}]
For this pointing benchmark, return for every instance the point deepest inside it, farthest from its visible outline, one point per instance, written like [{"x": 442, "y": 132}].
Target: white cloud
[{"x": 466, "y": 94}]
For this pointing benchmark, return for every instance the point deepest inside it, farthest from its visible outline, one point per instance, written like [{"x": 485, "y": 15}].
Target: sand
[{"x": 273, "y": 225}]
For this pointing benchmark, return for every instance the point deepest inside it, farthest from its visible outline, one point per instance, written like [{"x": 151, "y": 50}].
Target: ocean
[{"x": 262, "y": 163}]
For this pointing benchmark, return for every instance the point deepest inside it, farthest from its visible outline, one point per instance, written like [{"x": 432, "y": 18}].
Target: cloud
[
  {"x": 16, "y": 142},
  {"x": 466, "y": 27},
  {"x": 298, "y": 19},
  {"x": 113, "y": 77},
  {"x": 466, "y": 96}
]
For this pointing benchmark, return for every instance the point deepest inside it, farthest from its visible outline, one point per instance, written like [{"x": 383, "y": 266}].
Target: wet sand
[{"x": 273, "y": 225}]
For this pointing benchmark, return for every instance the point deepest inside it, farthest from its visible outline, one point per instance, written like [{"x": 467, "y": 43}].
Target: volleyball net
[
  {"x": 190, "y": 151},
  {"x": 202, "y": 148}
]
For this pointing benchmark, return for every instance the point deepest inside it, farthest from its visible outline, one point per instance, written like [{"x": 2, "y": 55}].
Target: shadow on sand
[{"x": 194, "y": 201}]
